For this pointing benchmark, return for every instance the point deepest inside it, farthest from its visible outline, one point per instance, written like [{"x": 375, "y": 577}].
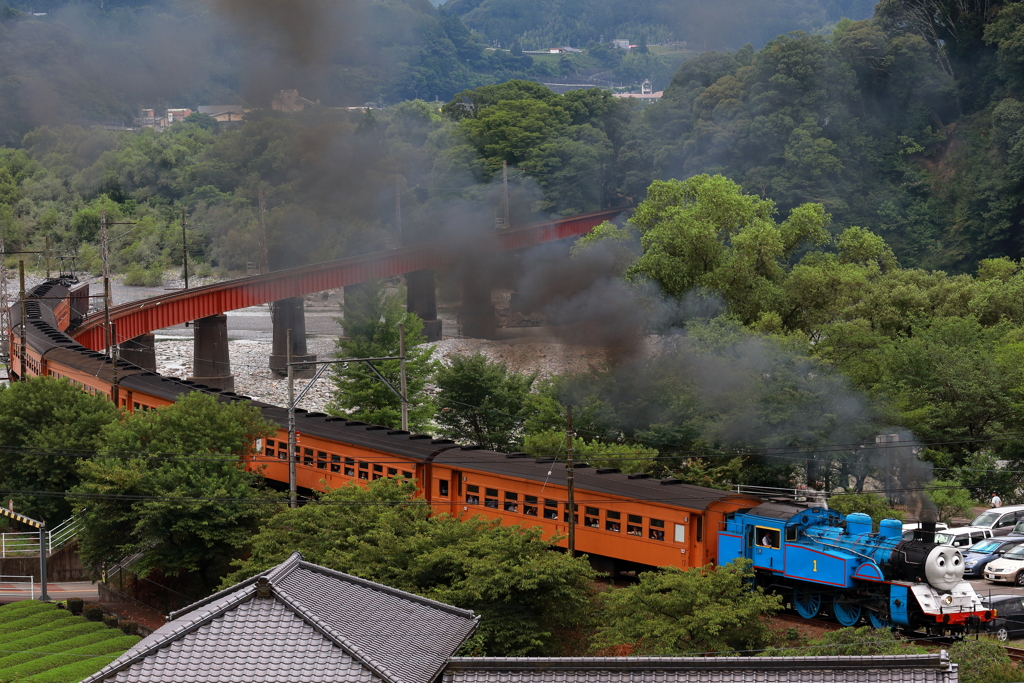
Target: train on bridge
[{"x": 820, "y": 560}]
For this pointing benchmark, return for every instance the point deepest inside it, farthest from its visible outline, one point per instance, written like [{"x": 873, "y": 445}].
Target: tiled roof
[
  {"x": 313, "y": 624},
  {"x": 931, "y": 668}
]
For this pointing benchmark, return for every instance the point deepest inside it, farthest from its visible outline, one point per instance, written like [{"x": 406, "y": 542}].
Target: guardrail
[
  {"x": 26, "y": 543},
  {"x": 30, "y": 581}
]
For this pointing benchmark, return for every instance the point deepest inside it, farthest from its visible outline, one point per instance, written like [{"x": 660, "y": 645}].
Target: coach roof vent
[
  {"x": 316, "y": 414},
  {"x": 472, "y": 447},
  {"x": 608, "y": 470},
  {"x": 419, "y": 437},
  {"x": 545, "y": 459},
  {"x": 670, "y": 481},
  {"x": 375, "y": 428},
  {"x": 394, "y": 432},
  {"x": 441, "y": 441},
  {"x": 639, "y": 475},
  {"x": 517, "y": 455}
]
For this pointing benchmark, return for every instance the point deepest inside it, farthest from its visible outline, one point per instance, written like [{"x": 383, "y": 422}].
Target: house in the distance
[
  {"x": 290, "y": 102},
  {"x": 299, "y": 622},
  {"x": 224, "y": 113}
]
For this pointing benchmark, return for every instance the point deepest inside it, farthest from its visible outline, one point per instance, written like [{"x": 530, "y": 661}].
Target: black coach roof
[{"x": 586, "y": 479}]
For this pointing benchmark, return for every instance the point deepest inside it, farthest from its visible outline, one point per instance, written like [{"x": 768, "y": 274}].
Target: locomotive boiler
[{"x": 835, "y": 563}]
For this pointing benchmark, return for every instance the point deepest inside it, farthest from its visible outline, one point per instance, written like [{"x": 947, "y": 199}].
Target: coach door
[{"x": 767, "y": 546}]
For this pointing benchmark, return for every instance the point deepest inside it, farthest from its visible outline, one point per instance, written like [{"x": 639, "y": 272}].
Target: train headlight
[{"x": 947, "y": 600}]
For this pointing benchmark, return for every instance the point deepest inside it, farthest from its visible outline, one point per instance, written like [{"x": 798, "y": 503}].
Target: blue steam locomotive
[{"x": 832, "y": 562}]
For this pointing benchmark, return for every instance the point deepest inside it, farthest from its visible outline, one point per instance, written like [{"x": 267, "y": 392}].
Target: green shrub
[
  {"x": 93, "y": 613},
  {"x": 137, "y": 276},
  {"x": 129, "y": 627},
  {"x": 75, "y": 605},
  {"x": 33, "y": 620},
  {"x": 110, "y": 621},
  {"x": 111, "y": 646},
  {"x": 98, "y": 635},
  {"x": 983, "y": 661}
]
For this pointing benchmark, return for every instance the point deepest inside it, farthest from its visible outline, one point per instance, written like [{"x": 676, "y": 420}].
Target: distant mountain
[{"x": 725, "y": 24}]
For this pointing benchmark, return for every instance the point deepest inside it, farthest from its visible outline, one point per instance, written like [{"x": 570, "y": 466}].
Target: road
[{"x": 13, "y": 592}]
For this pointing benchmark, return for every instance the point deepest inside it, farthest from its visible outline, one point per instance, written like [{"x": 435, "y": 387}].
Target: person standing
[{"x": 996, "y": 500}]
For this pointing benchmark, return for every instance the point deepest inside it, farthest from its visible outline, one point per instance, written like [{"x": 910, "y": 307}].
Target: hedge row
[
  {"x": 63, "y": 632},
  {"x": 7, "y": 635},
  {"x": 33, "y": 620},
  {"x": 71, "y": 673},
  {"x": 23, "y": 608},
  {"x": 97, "y": 635},
  {"x": 112, "y": 647}
]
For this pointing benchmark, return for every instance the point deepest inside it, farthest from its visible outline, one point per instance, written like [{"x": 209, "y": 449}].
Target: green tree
[
  {"x": 951, "y": 499},
  {"x": 481, "y": 401},
  {"x": 170, "y": 483},
  {"x": 628, "y": 458},
  {"x": 372, "y": 316},
  {"x": 525, "y": 593},
  {"x": 687, "y": 612},
  {"x": 49, "y": 428},
  {"x": 874, "y": 505}
]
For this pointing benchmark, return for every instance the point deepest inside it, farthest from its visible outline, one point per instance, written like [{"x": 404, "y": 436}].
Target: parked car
[
  {"x": 962, "y": 537},
  {"x": 909, "y": 529},
  {"x": 977, "y": 557},
  {"x": 1000, "y": 520},
  {"x": 1009, "y": 621},
  {"x": 1009, "y": 568}
]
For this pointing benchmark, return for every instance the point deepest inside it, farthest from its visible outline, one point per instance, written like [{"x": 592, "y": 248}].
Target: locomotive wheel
[
  {"x": 807, "y": 604},
  {"x": 846, "y": 613},
  {"x": 878, "y": 621}
]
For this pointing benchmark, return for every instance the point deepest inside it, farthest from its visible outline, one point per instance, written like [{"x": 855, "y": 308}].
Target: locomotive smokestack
[{"x": 928, "y": 518}]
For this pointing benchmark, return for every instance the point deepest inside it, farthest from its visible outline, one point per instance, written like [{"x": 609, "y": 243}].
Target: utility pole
[
  {"x": 115, "y": 389},
  {"x": 398, "y": 213},
  {"x": 569, "y": 481},
  {"x": 504, "y": 180},
  {"x": 401, "y": 365},
  {"x": 106, "y": 276},
  {"x": 5, "y": 311},
  {"x": 24, "y": 319},
  {"x": 46, "y": 257},
  {"x": 292, "y": 488},
  {"x": 43, "y": 548},
  {"x": 264, "y": 258},
  {"x": 184, "y": 246}
]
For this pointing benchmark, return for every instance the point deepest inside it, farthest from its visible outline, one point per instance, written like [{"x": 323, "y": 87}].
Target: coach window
[
  {"x": 575, "y": 516},
  {"x": 592, "y": 518},
  {"x": 473, "y": 494},
  {"x": 700, "y": 529},
  {"x": 364, "y": 470},
  {"x": 136, "y": 404},
  {"x": 407, "y": 475},
  {"x": 511, "y": 502},
  {"x": 766, "y": 537},
  {"x": 282, "y": 454},
  {"x": 392, "y": 472},
  {"x": 350, "y": 467},
  {"x": 270, "y": 448},
  {"x": 491, "y": 498},
  {"x": 635, "y": 526},
  {"x": 321, "y": 460},
  {"x": 657, "y": 530},
  {"x": 550, "y": 509},
  {"x": 335, "y": 463},
  {"x": 442, "y": 487},
  {"x": 307, "y": 456},
  {"x": 530, "y": 505},
  {"x": 612, "y": 521},
  {"x": 378, "y": 468}
]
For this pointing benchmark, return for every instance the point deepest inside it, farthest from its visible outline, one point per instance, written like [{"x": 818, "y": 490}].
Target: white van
[
  {"x": 909, "y": 529},
  {"x": 1000, "y": 520},
  {"x": 962, "y": 537}
]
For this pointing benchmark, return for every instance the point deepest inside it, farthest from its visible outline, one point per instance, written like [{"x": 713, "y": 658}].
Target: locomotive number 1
[{"x": 815, "y": 562}]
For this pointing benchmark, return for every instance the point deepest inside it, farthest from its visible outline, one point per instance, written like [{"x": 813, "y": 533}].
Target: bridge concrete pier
[
  {"x": 140, "y": 351},
  {"x": 290, "y": 314},
  {"x": 421, "y": 299},
  {"x": 477, "y": 317},
  {"x": 211, "y": 361}
]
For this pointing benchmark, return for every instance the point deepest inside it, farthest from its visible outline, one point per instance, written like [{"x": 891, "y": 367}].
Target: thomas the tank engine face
[{"x": 944, "y": 567}]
